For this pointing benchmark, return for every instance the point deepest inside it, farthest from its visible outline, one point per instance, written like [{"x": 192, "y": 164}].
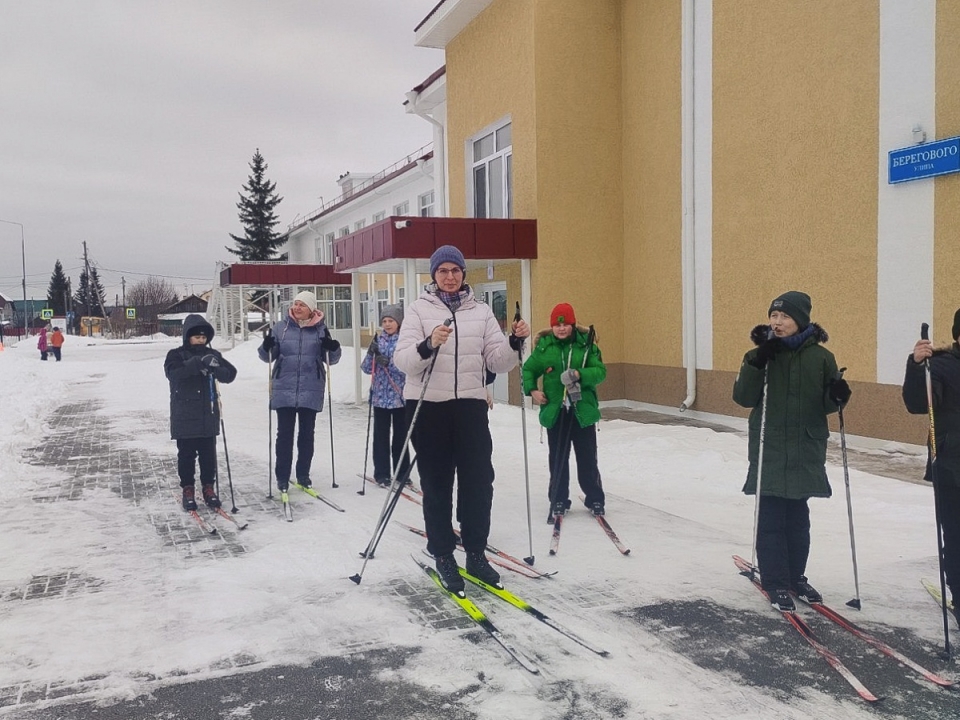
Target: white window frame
[
  {"x": 344, "y": 231},
  {"x": 377, "y": 217},
  {"x": 425, "y": 204},
  {"x": 364, "y": 309},
  {"x": 402, "y": 208},
  {"x": 503, "y": 153},
  {"x": 329, "y": 237},
  {"x": 359, "y": 224}
]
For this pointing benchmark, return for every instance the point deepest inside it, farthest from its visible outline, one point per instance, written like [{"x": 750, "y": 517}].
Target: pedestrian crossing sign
[
  {"x": 46, "y": 314},
  {"x": 131, "y": 313}
]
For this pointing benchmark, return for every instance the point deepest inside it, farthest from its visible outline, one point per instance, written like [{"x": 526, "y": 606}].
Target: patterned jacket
[{"x": 386, "y": 387}]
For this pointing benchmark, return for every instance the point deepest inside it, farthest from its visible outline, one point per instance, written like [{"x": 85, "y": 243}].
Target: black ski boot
[
  {"x": 450, "y": 573},
  {"x": 305, "y": 482},
  {"x": 189, "y": 498},
  {"x": 478, "y": 566},
  {"x": 806, "y": 591},
  {"x": 781, "y": 600},
  {"x": 210, "y": 496}
]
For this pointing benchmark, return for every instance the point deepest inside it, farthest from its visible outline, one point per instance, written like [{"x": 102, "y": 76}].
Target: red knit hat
[{"x": 562, "y": 314}]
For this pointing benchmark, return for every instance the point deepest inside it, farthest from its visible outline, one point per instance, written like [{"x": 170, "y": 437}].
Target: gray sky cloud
[{"x": 130, "y": 125}]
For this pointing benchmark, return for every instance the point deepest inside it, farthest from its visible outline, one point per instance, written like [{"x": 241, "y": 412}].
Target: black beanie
[
  {"x": 794, "y": 303},
  {"x": 956, "y": 325}
]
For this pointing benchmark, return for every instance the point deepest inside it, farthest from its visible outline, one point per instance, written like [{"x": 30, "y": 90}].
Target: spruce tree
[
  {"x": 90, "y": 296},
  {"x": 58, "y": 291},
  {"x": 259, "y": 240}
]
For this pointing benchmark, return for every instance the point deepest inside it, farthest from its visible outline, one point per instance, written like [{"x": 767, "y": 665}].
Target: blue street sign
[{"x": 923, "y": 161}]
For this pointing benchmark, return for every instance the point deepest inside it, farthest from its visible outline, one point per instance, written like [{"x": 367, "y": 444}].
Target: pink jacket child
[{"x": 42, "y": 344}]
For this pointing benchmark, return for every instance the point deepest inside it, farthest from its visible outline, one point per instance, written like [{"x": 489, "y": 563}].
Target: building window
[
  {"x": 402, "y": 209},
  {"x": 364, "y": 309},
  {"x": 377, "y": 217},
  {"x": 329, "y": 238},
  {"x": 359, "y": 224},
  {"x": 334, "y": 302},
  {"x": 383, "y": 299},
  {"x": 426, "y": 204},
  {"x": 492, "y": 176},
  {"x": 345, "y": 230},
  {"x": 400, "y": 295}
]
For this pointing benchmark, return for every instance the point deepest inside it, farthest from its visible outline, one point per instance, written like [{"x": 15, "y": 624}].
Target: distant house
[
  {"x": 6, "y": 308},
  {"x": 190, "y": 304},
  {"x": 170, "y": 321}
]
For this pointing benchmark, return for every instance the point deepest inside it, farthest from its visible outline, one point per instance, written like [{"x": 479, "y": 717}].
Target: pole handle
[
  {"x": 516, "y": 316},
  {"x": 924, "y": 331}
]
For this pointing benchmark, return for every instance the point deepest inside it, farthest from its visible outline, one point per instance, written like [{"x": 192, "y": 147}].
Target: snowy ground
[{"x": 113, "y": 605}]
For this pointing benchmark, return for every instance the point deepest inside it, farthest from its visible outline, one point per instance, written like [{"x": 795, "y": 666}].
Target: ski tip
[{"x": 356, "y": 579}]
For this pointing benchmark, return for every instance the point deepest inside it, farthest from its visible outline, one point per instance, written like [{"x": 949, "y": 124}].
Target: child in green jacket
[{"x": 569, "y": 361}]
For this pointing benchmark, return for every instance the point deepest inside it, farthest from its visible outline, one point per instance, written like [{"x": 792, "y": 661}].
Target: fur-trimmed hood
[
  {"x": 549, "y": 331},
  {"x": 760, "y": 333}
]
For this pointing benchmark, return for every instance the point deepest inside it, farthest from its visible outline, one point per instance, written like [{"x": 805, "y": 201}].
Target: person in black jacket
[
  {"x": 193, "y": 370},
  {"x": 945, "y": 382}
]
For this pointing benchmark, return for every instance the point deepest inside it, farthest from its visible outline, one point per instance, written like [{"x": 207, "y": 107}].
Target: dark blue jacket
[{"x": 194, "y": 407}]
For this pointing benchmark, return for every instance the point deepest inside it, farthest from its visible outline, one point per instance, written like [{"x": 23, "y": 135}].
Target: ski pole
[
  {"x": 763, "y": 431},
  {"x": 925, "y": 335},
  {"x": 366, "y": 451},
  {"x": 855, "y": 602},
  {"x": 333, "y": 464},
  {"x": 226, "y": 454},
  {"x": 387, "y": 509},
  {"x": 526, "y": 462}
]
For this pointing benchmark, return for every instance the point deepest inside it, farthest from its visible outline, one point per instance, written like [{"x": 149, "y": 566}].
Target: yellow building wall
[
  {"x": 795, "y": 137},
  {"x": 578, "y": 161},
  {"x": 946, "y": 254},
  {"x": 651, "y": 183}
]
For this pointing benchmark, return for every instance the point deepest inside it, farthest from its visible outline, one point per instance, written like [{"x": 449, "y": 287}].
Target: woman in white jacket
[{"x": 452, "y": 433}]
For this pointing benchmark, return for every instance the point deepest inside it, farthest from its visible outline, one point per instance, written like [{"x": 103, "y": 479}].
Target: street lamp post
[{"x": 23, "y": 259}]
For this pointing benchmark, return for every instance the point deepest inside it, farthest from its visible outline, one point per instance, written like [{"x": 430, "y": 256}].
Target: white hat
[{"x": 308, "y": 299}]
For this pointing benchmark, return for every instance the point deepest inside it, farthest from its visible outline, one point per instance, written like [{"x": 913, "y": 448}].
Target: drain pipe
[
  {"x": 688, "y": 222},
  {"x": 439, "y": 153}
]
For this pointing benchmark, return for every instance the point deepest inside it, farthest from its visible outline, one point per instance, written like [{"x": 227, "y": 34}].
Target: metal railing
[{"x": 360, "y": 187}]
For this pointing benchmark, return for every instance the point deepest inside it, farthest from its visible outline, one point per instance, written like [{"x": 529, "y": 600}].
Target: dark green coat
[
  {"x": 549, "y": 359},
  {"x": 796, "y": 433}
]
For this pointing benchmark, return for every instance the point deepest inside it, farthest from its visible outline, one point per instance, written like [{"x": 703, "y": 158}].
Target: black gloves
[
  {"x": 329, "y": 344},
  {"x": 374, "y": 348},
  {"x": 767, "y": 346},
  {"x": 839, "y": 391},
  {"x": 210, "y": 361},
  {"x": 269, "y": 343},
  {"x": 381, "y": 360},
  {"x": 516, "y": 343}
]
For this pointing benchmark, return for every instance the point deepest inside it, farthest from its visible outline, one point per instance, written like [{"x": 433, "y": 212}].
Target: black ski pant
[
  {"x": 564, "y": 434},
  {"x": 950, "y": 524},
  {"x": 452, "y": 440},
  {"x": 383, "y": 448},
  {"x": 287, "y": 419},
  {"x": 783, "y": 541},
  {"x": 190, "y": 450}
]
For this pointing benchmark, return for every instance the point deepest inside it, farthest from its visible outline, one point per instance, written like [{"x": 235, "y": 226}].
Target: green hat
[{"x": 794, "y": 303}]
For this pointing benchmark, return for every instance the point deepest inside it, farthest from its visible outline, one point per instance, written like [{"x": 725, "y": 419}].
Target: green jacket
[
  {"x": 796, "y": 432},
  {"x": 549, "y": 359}
]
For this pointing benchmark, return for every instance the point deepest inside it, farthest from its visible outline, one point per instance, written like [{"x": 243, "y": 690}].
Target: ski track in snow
[{"x": 109, "y": 592}]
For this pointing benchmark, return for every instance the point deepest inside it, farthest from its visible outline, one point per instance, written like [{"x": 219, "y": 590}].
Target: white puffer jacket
[{"x": 476, "y": 344}]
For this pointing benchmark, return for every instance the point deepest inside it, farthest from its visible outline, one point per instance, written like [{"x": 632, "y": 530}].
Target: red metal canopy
[
  {"x": 264, "y": 274},
  {"x": 400, "y": 238}
]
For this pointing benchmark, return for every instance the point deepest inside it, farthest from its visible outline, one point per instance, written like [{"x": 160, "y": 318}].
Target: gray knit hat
[
  {"x": 446, "y": 254},
  {"x": 392, "y": 311}
]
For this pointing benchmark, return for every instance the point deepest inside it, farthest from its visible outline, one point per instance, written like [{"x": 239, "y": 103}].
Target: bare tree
[{"x": 151, "y": 297}]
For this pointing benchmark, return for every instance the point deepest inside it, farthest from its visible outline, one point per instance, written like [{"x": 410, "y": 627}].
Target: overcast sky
[{"x": 131, "y": 124}]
